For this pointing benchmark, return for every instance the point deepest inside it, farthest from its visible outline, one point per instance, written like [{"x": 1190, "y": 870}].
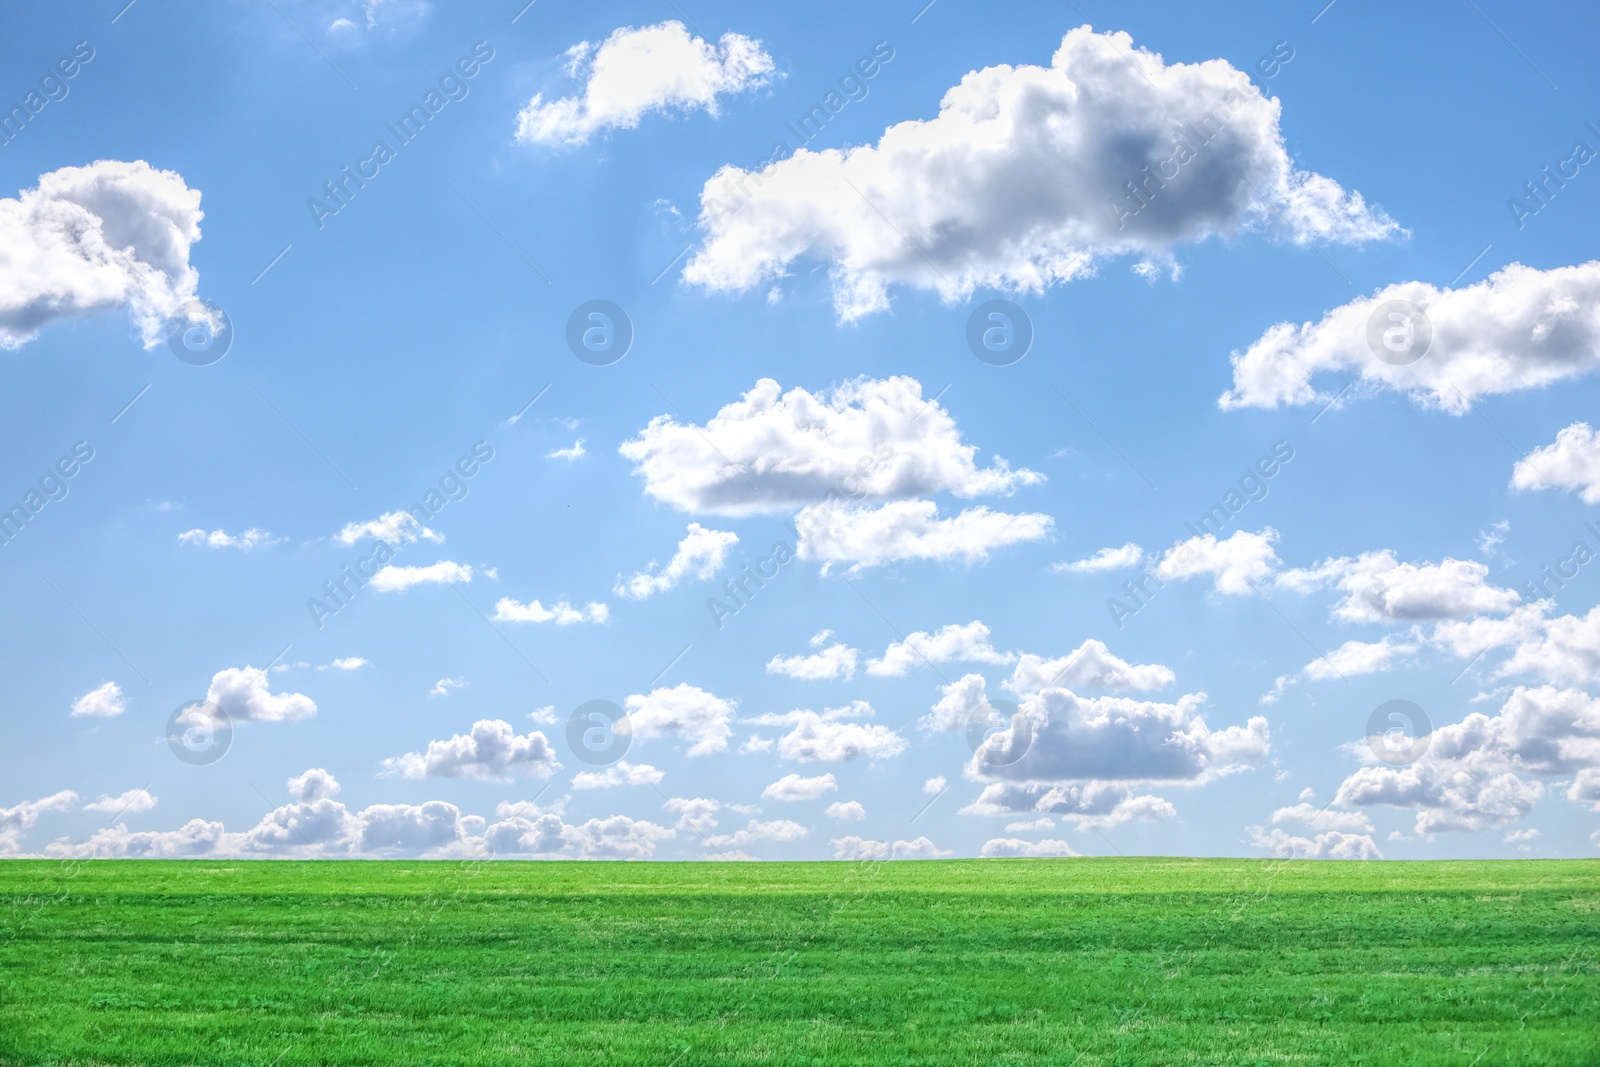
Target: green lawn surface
[{"x": 988, "y": 963}]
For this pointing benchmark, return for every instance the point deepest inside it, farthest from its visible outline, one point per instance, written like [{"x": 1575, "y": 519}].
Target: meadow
[{"x": 992, "y": 962}]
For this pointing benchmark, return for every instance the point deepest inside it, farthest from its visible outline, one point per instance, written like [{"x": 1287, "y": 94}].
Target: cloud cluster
[
  {"x": 1521, "y": 328},
  {"x": 1028, "y": 176},
  {"x": 833, "y": 662},
  {"x": 87, "y": 239},
  {"x": 492, "y": 752},
  {"x": 637, "y": 71}
]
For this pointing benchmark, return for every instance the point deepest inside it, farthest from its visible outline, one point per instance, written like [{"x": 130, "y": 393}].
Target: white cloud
[
  {"x": 251, "y": 538},
  {"x": 618, "y": 837},
  {"x": 814, "y": 739},
  {"x": 442, "y": 687},
  {"x": 1043, "y": 822},
  {"x": 1379, "y": 588},
  {"x": 620, "y": 773},
  {"x": 1304, "y": 814},
  {"x": 313, "y": 785},
  {"x": 1330, "y": 845},
  {"x": 908, "y": 530},
  {"x": 849, "y": 811},
  {"x": 1011, "y": 846},
  {"x": 860, "y": 848},
  {"x": 1086, "y": 805},
  {"x": 492, "y": 752},
  {"x": 1089, "y": 666},
  {"x": 1521, "y": 328},
  {"x": 568, "y": 454},
  {"x": 392, "y": 528},
  {"x": 1483, "y": 772},
  {"x": 1349, "y": 660},
  {"x": 700, "y": 555},
  {"x": 698, "y": 815},
  {"x": 1057, "y": 736},
  {"x": 1107, "y": 559},
  {"x": 935, "y": 785},
  {"x": 770, "y": 451},
  {"x": 637, "y": 71},
  {"x": 346, "y": 663},
  {"x": 244, "y": 696},
  {"x": 407, "y": 827},
  {"x": 132, "y": 802},
  {"x": 834, "y": 662},
  {"x": 89, "y": 239},
  {"x": 1564, "y": 649},
  {"x": 1233, "y": 564},
  {"x": 1572, "y": 462},
  {"x": 1022, "y": 181},
  {"x": 197, "y": 837},
  {"x": 562, "y": 613},
  {"x": 684, "y": 711},
  {"x": 792, "y": 787},
  {"x": 101, "y": 702},
  {"x": 395, "y": 578},
  {"x": 951, "y": 643}
]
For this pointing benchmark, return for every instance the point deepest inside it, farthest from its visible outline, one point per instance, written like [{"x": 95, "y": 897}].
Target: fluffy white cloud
[
  {"x": 576, "y": 452},
  {"x": 1086, "y": 805},
  {"x": 852, "y": 811},
  {"x": 561, "y": 612},
  {"x": 1521, "y": 328},
  {"x": 131, "y": 802},
  {"x": 243, "y": 695},
  {"x": 860, "y": 848},
  {"x": 1026, "y": 178},
  {"x": 395, "y": 578},
  {"x": 910, "y": 529},
  {"x": 251, "y": 538},
  {"x": 491, "y": 752},
  {"x": 392, "y": 528},
  {"x": 1329, "y": 845},
  {"x": 700, "y": 555},
  {"x": 1012, "y": 846},
  {"x": 1057, "y": 736},
  {"x": 833, "y": 662},
  {"x": 407, "y": 827},
  {"x": 197, "y": 837},
  {"x": 618, "y": 837},
  {"x": 19, "y": 819},
  {"x": 442, "y": 687},
  {"x": 815, "y": 739},
  {"x": 1483, "y": 772},
  {"x": 684, "y": 711},
  {"x": 1572, "y": 462},
  {"x": 88, "y": 239},
  {"x": 620, "y": 773},
  {"x": 101, "y": 702},
  {"x": 1379, "y": 588},
  {"x": 636, "y": 71},
  {"x": 1233, "y": 564},
  {"x": 935, "y": 785},
  {"x": 792, "y": 787},
  {"x": 1089, "y": 666},
  {"x": 1304, "y": 814},
  {"x": 951, "y": 643},
  {"x": 698, "y": 815},
  {"x": 1564, "y": 649},
  {"x": 346, "y": 663},
  {"x": 314, "y": 784},
  {"x": 772, "y": 451},
  {"x": 1107, "y": 559}
]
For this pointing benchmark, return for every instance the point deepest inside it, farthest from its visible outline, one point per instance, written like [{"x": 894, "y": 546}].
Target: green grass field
[{"x": 993, "y": 962}]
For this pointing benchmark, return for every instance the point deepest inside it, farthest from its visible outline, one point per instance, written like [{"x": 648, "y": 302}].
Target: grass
[{"x": 988, "y": 963}]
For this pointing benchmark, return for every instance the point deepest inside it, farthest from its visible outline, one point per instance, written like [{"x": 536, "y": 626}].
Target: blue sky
[{"x": 913, "y": 487}]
